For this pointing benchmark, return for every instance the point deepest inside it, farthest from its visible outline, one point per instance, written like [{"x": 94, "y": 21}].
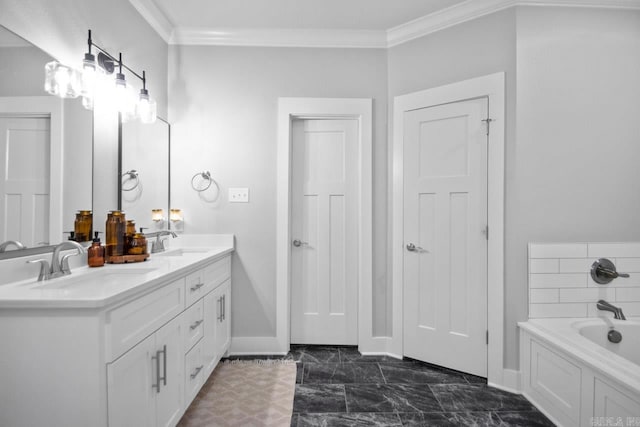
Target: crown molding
[
  {"x": 150, "y": 11},
  {"x": 280, "y": 37},
  {"x": 445, "y": 18},
  {"x": 472, "y": 9}
]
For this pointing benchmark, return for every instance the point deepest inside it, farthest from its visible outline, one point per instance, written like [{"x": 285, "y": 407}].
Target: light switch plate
[{"x": 239, "y": 195}]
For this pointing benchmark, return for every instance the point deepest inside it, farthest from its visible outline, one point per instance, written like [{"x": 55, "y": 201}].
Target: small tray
[{"x": 123, "y": 259}]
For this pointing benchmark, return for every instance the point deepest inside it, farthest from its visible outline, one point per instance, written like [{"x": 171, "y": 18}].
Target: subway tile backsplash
[{"x": 560, "y": 284}]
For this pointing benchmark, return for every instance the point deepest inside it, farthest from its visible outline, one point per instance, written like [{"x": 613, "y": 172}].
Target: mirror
[
  {"x": 144, "y": 173},
  {"x": 45, "y": 152}
]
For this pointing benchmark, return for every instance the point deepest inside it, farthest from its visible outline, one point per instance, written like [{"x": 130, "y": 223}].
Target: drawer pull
[
  {"x": 196, "y": 287},
  {"x": 220, "y": 309},
  {"x": 196, "y": 324},
  {"x": 197, "y": 371},
  {"x": 164, "y": 362},
  {"x": 157, "y": 360}
]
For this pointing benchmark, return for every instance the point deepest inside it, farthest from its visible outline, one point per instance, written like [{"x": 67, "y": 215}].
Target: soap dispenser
[{"x": 95, "y": 254}]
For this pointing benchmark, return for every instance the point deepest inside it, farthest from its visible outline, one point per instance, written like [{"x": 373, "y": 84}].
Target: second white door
[
  {"x": 445, "y": 235},
  {"x": 324, "y": 252}
]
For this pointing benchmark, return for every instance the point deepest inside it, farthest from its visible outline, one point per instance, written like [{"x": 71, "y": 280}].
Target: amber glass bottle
[
  {"x": 128, "y": 235},
  {"x": 114, "y": 239},
  {"x": 83, "y": 226},
  {"x": 95, "y": 254}
]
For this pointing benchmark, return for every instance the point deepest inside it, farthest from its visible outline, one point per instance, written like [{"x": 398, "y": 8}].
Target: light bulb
[{"x": 146, "y": 108}]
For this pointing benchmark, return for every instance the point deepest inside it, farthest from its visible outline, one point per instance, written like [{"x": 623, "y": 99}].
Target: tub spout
[{"x": 617, "y": 311}]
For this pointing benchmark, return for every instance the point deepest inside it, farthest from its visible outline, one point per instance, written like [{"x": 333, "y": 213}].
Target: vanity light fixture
[
  {"x": 157, "y": 216},
  {"x": 93, "y": 82}
]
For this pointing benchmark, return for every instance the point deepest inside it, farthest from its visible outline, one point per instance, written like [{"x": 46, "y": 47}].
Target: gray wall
[
  {"x": 223, "y": 109},
  {"x": 574, "y": 174},
  {"x": 483, "y": 46}
]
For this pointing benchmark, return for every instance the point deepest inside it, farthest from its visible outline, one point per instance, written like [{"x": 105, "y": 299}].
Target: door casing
[
  {"x": 289, "y": 109},
  {"x": 493, "y": 87}
]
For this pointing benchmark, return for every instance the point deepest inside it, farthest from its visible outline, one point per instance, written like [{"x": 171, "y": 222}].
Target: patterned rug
[{"x": 245, "y": 393}]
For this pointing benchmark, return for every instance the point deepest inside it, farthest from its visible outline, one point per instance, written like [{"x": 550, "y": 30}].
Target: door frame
[
  {"x": 46, "y": 106},
  {"x": 289, "y": 109},
  {"x": 493, "y": 87}
]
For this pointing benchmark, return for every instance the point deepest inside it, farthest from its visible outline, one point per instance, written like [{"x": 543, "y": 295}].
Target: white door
[
  {"x": 24, "y": 179},
  {"x": 170, "y": 352},
  {"x": 324, "y": 257},
  {"x": 445, "y": 219}
]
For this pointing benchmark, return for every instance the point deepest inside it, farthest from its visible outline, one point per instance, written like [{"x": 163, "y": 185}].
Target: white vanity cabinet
[
  {"x": 136, "y": 361},
  {"x": 145, "y": 384}
]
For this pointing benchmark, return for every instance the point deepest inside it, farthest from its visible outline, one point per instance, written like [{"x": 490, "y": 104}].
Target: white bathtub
[{"x": 576, "y": 376}]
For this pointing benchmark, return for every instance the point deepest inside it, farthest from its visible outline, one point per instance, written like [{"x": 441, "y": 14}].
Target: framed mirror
[
  {"x": 46, "y": 149},
  {"x": 144, "y": 173}
]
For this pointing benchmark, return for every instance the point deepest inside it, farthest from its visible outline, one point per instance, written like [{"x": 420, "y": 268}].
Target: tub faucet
[
  {"x": 617, "y": 311},
  {"x": 158, "y": 244},
  {"x": 60, "y": 267},
  {"x": 3, "y": 246}
]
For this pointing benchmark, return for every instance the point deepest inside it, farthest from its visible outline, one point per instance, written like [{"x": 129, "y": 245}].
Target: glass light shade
[
  {"x": 146, "y": 108},
  {"x": 61, "y": 80},
  {"x": 175, "y": 215},
  {"x": 91, "y": 78},
  {"x": 157, "y": 215},
  {"x": 126, "y": 102}
]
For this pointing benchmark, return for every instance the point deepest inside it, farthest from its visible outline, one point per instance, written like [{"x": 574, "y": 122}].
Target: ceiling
[
  {"x": 323, "y": 23},
  {"x": 297, "y": 14}
]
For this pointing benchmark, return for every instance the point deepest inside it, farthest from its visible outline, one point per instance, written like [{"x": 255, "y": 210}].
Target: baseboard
[
  {"x": 255, "y": 346},
  {"x": 510, "y": 381},
  {"x": 380, "y": 353}
]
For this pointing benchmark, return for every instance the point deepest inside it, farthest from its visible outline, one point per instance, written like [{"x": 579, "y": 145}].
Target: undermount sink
[
  {"x": 104, "y": 277},
  {"x": 182, "y": 252}
]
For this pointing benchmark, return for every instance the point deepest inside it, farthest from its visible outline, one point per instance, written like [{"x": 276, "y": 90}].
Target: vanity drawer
[
  {"x": 193, "y": 373},
  {"x": 216, "y": 273},
  {"x": 194, "y": 324},
  {"x": 195, "y": 286},
  {"x": 129, "y": 324}
]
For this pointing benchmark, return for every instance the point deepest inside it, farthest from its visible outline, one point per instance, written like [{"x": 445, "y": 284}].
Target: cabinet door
[
  {"x": 211, "y": 310},
  {"x": 169, "y": 347},
  {"x": 223, "y": 330},
  {"x": 129, "y": 387}
]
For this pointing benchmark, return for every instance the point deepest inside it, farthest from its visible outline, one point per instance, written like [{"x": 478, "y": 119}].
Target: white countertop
[{"x": 103, "y": 286}]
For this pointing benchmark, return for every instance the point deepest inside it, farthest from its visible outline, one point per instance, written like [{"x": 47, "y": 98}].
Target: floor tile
[
  {"x": 315, "y": 354},
  {"x": 341, "y": 373},
  {"x": 390, "y": 398},
  {"x": 351, "y": 354},
  {"x": 472, "y": 379},
  {"x": 478, "y": 397},
  {"x": 413, "y": 373},
  {"x": 319, "y": 398},
  {"x": 450, "y": 419},
  {"x": 525, "y": 419},
  {"x": 361, "y": 419}
]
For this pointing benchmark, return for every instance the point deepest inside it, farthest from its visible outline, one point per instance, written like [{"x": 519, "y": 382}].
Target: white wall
[
  {"x": 575, "y": 174},
  {"x": 223, "y": 109}
]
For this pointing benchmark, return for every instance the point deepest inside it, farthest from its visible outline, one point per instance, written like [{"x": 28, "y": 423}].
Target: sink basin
[
  {"x": 104, "y": 278},
  {"x": 182, "y": 252}
]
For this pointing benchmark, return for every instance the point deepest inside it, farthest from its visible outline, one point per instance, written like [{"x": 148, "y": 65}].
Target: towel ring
[
  {"x": 206, "y": 175},
  {"x": 131, "y": 175}
]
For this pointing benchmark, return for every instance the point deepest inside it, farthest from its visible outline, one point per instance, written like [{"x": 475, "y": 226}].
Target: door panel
[
  {"x": 24, "y": 179},
  {"x": 445, "y": 215},
  {"x": 324, "y": 221}
]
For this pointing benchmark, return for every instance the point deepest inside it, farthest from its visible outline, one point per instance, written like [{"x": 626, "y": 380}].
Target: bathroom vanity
[{"x": 118, "y": 345}]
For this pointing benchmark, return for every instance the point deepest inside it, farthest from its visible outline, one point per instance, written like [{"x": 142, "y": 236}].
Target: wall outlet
[{"x": 239, "y": 195}]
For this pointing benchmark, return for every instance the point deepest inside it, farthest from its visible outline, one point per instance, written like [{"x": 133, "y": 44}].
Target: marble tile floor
[{"x": 337, "y": 386}]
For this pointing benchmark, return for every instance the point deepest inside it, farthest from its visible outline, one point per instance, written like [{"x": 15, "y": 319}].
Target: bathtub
[{"x": 573, "y": 374}]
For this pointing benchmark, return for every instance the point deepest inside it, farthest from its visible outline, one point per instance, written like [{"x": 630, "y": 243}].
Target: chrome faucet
[
  {"x": 3, "y": 246},
  {"x": 617, "y": 311},
  {"x": 158, "y": 244},
  {"x": 59, "y": 267}
]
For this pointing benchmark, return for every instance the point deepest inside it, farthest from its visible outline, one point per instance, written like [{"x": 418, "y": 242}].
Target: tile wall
[{"x": 560, "y": 284}]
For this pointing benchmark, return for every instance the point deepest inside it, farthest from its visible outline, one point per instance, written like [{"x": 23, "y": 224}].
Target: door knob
[
  {"x": 413, "y": 248},
  {"x": 297, "y": 243}
]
